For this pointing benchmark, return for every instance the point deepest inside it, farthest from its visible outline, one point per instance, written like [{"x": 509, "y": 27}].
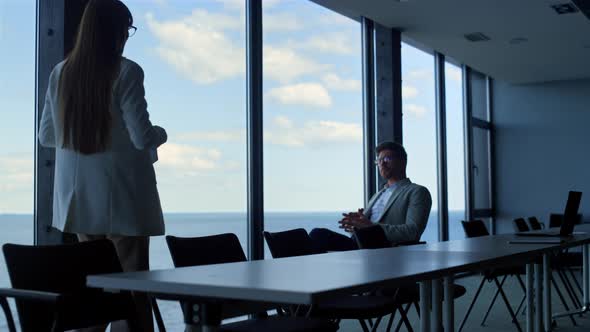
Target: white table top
[
  {"x": 301, "y": 280},
  {"x": 304, "y": 280}
]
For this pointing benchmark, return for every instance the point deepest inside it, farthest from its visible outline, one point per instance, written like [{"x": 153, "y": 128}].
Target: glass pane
[
  {"x": 193, "y": 56},
  {"x": 17, "y": 102},
  {"x": 479, "y": 96},
  {"x": 455, "y": 150},
  {"x": 481, "y": 171},
  {"x": 419, "y": 126},
  {"x": 313, "y": 152}
]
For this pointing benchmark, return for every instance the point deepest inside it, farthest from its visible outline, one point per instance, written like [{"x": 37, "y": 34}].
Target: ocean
[{"x": 19, "y": 229}]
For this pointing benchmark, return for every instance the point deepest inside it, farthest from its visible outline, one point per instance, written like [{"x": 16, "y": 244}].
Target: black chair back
[
  {"x": 520, "y": 225},
  {"x": 556, "y": 219},
  {"x": 63, "y": 269},
  {"x": 535, "y": 224},
  {"x": 474, "y": 228},
  {"x": 372, "y": 237},
  {"x": 294, "y": 242},
  {"x": 205, "y": 250}
]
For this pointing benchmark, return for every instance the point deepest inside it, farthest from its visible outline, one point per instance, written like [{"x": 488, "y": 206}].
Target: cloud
[
  {"x": 213, "y": 136},
  {"x": 454, "y": 73},
  {"x": 304, "y": 94},
  {"x": 16, "y": 173},
  {"x": 283, "y": 122},
  {"x": 240, "y": 4},
  {"x": 187, "y": 159},
  {"x": 416, "y": 110},
  {"x": 285, "y": 64},
  {"x": 197, "y": 47},
  {"x": 332, "y": 19},
  {"x": 421, "y": 74},
  {"x": 272, "y": 22},
  {"x": 409, "y": 91},
  {"x": 332, "y": 43},
  {"x": 285, "y": 133},
  {"x": 335, "y": 82}
]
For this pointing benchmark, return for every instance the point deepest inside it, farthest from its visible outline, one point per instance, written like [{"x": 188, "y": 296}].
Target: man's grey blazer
[{"x": 406, "y": 212}]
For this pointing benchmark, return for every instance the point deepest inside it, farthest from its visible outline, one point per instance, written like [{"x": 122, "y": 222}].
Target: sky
[{"x": 193, "y": 56}]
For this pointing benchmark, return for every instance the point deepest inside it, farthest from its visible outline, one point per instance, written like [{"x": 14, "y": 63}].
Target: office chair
[
  {"x": 49, "y": 287},
  {"x": 226, "y": 248},
  {"x": 520, "y": 225},
  {"x": 297, "y": 242},
  {"x": 535, "y": 224},
  {"x": 374, "y": 238},
  {"x": 477, "y": 228}
]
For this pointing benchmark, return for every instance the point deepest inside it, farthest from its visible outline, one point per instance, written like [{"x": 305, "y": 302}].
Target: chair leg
[
  {"x": 7, "y": 314},
  {"x": 404, "y": 319},
  {"x": 391, "y": 318},
  {"x": 485, "y": 317},
  {"x": 507, "y": 304},
  {"x": 567, "y": 286},
  {"x": 521, "y": 283},
  {"x": 376, "y": 324},
  {"x": 563, "y": 301},
  {"x": 364, "y": 325},
  {"x": 569, "y": 269},
  {"x": 483, "y": 280},
  {"x": 521, "y": 305},
  {"x": 158, "y": 315}
]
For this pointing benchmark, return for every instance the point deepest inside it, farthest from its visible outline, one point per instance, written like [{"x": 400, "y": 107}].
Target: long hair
[{"x": 88, "y": 75}]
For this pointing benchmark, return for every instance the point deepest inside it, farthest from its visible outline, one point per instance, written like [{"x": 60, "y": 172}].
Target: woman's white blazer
[{"x": 112, "y": 192}]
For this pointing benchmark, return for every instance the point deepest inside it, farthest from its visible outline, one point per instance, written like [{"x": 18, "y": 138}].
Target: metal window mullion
[
  {"x": 388, "y": 81},
  {"x": 491, "y": 155},
  {"x": 50, "y": 38},
  {"x": 468, "y": 141},
  {"x": 370, "y": 174},
  {"x": 441, "y": 147},
  {"x": 255, "y": 207}
]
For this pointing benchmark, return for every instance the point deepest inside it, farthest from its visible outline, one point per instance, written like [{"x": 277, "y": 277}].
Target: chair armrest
[
  {"x": 31, "y": 295},
  {"x": 409, "y": 243}
]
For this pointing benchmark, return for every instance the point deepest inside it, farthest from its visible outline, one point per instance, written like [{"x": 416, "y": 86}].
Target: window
[
  {"x": 17, "y": 102},
  {"x": 455, "y": 150},
  {"x": 313, "y": 152},
  {"x": 419, "y": 126},
  {"x": 193, "y": 56}
]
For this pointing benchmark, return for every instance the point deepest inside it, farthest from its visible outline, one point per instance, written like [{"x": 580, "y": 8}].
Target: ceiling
[{"x": 557, "y": 47}]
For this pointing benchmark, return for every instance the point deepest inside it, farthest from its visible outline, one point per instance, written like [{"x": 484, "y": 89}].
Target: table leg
[
  {"x": 449, "y": 304},
  {"x": 202, "y": 317},
  {"x": 425, "y": 303},
  {"x": 547, "y": 320},
  {"x": 538, "y": 298},
  {"x": 529, "y": 298},
  {"x": 586, "y": 274},
  {"x": 437, "y": 298}
]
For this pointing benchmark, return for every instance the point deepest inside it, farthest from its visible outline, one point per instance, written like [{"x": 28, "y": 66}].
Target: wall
[{"x": 542, "y": 148}]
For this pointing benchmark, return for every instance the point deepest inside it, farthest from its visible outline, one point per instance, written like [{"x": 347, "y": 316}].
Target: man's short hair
[{"x": 397, "y": 149}]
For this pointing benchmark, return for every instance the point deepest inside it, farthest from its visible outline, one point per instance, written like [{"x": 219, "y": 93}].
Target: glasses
[
  {"x": 384, "y": 160},
  {"x": 132, "y": 30}
]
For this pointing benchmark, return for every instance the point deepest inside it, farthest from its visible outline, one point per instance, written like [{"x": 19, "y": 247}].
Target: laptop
[{"x": 569, "y": 219}]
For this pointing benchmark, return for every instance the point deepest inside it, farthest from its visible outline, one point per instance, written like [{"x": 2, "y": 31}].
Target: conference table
[{"x": 307, "y": 280}]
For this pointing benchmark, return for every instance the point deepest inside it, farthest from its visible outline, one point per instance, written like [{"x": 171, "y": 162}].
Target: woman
[{"x": 96, "y": 117}]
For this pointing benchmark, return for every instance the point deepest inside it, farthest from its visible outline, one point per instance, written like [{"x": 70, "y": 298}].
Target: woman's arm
[
  {"x": 143, "y": 134},
  {"x": 46, "y": 128}
]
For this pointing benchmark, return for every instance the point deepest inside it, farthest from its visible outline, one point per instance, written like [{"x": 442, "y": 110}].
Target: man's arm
[{"x": 416, "y": 219}]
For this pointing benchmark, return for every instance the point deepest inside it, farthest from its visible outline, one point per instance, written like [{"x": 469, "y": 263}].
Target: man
[{"x": 401, "y": 208}]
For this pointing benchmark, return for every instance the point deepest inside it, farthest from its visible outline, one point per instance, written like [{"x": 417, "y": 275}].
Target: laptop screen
[{"x": 571, "y": 211}]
